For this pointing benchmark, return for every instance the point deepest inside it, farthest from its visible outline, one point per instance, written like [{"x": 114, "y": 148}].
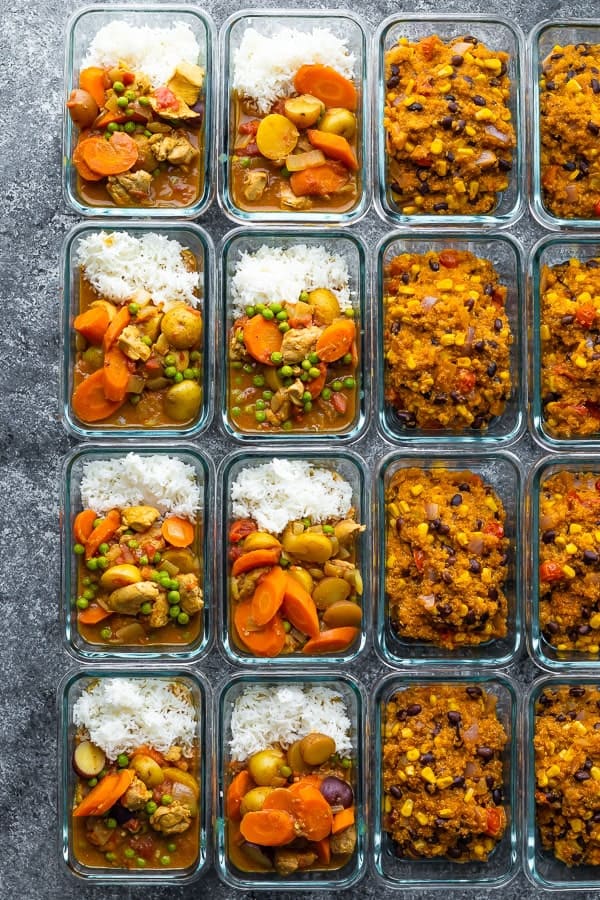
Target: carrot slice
[
  {"x": 315, "y": 386},
  {"x": 255, "y": 558},
  {"x": 177, "y": 531},
  {"x": 312, "y": 813},
  {"x": 89, "y": 401},
  {"x": 268, "y": 596},
  {"x": 93, "y": 80},
  {"x": 334, "y": 146},
  {"x": 93, "y": 614},
  {"x": 331, "y": 641},
  {"x": 105, "y": 794},
  {"x": 299, "y": 607},
  {"x": 262, "y": 337},
  {"x": 84, "y": 525},
  {"x": 120, "y": 320},
  {"x": 336, "y": 340},
  {"x": 319, "y": 180},
  {"x": 81, "y": 165},
  {"x": 268, "y": 827},
  {"x": 116, "y": 375},
  {"x": 112, "y": 157},
  {"x": 107, "y": 117},
  {"x": 309, "y": 780},
  {"x": 92, "y": 324},
  {"x": 241, "y": 784},
  {"x": 327, "y": 85},
  {"x": 343, "y": 820},
  {"x": 266, "y": 641},
  {"x": 103, "y": 532},
  {"x": 280, "y": 798},
  {"x": 323, "y": 851}
]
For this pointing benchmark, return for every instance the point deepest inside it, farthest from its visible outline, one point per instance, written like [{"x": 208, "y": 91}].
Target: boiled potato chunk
[
  {"x": 254, "y": 800},
  {"x": 148, "y": 770},
  {"x": 296, "y": 761},
  {"x": 304, "y": 111},
  {"x": 276, "y": 136},
  {"x": 260, "y": 540},
  {"x": 330, "y": 590},
  {"x": 316, "y": 748},
  {"x": 264, "y": 767},
  {"x": 184, "y": 560},
  {"x": 172, "y": 773},
  {"x": 309, "y": 546},
  {"x": 303, "y": 577},
  {"x": 338, "y": 120},
  {"x": 182, "y": 401},
  {"x": 120, "y": 576},
  {"x": 342, "y": 614},
  {"x": 182, "y": 327},
  {"x": 325, "y": 306},
  {"x": 88, "y": 759}
]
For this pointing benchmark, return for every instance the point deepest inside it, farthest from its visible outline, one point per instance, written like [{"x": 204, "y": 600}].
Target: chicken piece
[
  {"x": 174, "y": 148},
  {"x": 140, "y": 296},
  {"x": 344, "y": 841},
  {"x": 255, "y": 182},
  {"x": 173, "y": 754},
  {"x": 288, "y": 200},
  {"x": 131, "y": 343},
  {"x": 189, "y": 593},
  {"x": 288, "y": 861},
  {"x": 140, "y": 518},
  {"x": 246, "y": 584},
  {"x": 136, "y": 795},
  {"x": 97, "y": 832},
  {"x": 280, "y": 406},
  {"x": 187, "y": 82},
  {"x": 237, "y": 349},
  {"x": 146, "y": 159},
  {"x": 296, "y": 392},
  {"x": 129, "y": 599},
  {"x": 130, "y": 188},
  {"x": 299, "y": 342},
  {"x": 160, "y": 612},
  {"x": 173, "y": 819}
]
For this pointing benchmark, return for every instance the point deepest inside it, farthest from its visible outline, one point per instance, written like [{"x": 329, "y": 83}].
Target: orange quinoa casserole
[
  {"x": 443, "y": 772},
  {"x": 446, "y": 557},
  {"x": 569, "y": 561},
  {"x": 569, "y": 130},
  {"x": 570, "y": 343},
  {"x": 567, "y": 772},
  {"x": 448, "y": 128},
  {"x": 446, "y": 341}
]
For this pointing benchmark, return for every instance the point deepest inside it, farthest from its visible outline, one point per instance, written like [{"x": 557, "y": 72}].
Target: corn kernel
[
  {"x": 428, "y": 774},
  {"x": 569, "y": 571},
  {"x": 573, "y": 86},
  {"x": 576, "y": 825},
  {"x": 406, "y": 732},
  {"x": 470, "y": 131},
  {"x": 553, "y": 771},
  {"x": 595, "y": 773},
  {"x": 436, "y": 147},
  {"x": 462, "y": 538},
  {"x": 545, "y": 332},
  {"x": 459, "y": 340},
  {"x": 463, "y": 361},
  {"x": 542, "y": 780},
  {"x": 433, "y": 699},
  {"x": 575, "y": 528},
  {"x": 410, "y": 770},
  {"x": 416, "y": 489},
  {"x": 409, "y": 210},
  {"x": 404, "y": 506},
  {"x": 580, "y": 727},
  {"x": 445, "y": 71},
  {"x": 468, "y": 795},
  {"x": 479, "y": 850},
  {"x": 459, "y": 186},
  {"x": 422, "y": 529},
  {"x": 387, "y": 805},
  {"x": 444, "y": 284},
  {"x": 486, "y": 575},
  {"x": 463, "y": 609},
  {"x": 571, "y": 549},
  {"x": 413, "y": 754},
  {"x": 421, "y": 818},
  {"x": 584, "y": 297},
  {"x": 447, "y": 340},
  {"x": 411, "y": 362},
  {"x": 406, "y": 808},
  {"x": 444, "y": 781},
  {"x": 445, "y": 813},
  {"x": 483, "y": 115},
  {"x": 491, "y": 504},
  {"x": 581, "y": 362},
  {"x": 393, "y": 508},
  {"x": 493, "y": 64}
]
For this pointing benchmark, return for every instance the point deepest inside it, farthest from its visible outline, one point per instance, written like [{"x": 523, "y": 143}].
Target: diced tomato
[
  {"x": 126, "y": 554},
  {"x": 597, "y": 485},
  {"x": 419, "y": 558},
  {"x": 593, "y": 409},
  {"x": 279, "y": 107},
  {"x": 597, "y": 208},
  {"x": 235, "y": 552},
  {"x": 165, "y": 98},
  {"x": 427, "y": 46},
  {"x": 128, "y": 78},
  {"x": 449, "y": 259},
  {"x": 495, "y": 528},
  {"x": 251, "y": 149},
  {"x": 153, "y": 365},
  {"x": 143, "y": 845},
  {"x": 149, "y": 549},
  {"x": 586, "y": 315},
  {"x": 339, "y": 402},
  {"x": 240, "y": 529},
  {"x": 494, "y": 820},
  {"x": 465, "y": 381},
  {"x": 424, "y": 161},
  {"x": 250, "y": 127},
  {"x": 551, "y": 571}
]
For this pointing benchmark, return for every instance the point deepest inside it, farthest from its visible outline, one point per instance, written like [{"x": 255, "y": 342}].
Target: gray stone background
[{"x": 33, "y": 442}]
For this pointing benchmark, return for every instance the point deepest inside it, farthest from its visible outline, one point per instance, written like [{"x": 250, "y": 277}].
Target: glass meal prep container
[
  {"x": 132, "y": 846},
  {"x": 301, "y": 207},
  {"x": 542, "y": 41},
  {"x": 498, "y": 34},
  {"x": 257, "y": 872},
  {"x": 564, "y": 333},
  {"x": 498, "y": 864},
  {"x": 171, "y": 194},
  {"x": 135, "y": 631},
  {"x": 131, "y": 420},
  {"x": 328, "y": 567},
  {"x": 505, "y": 255},
  {"x": 335, "y": 411},
  {"x": 435, "y": 572}
]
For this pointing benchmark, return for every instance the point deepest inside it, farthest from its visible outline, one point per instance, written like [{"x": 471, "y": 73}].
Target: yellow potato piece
[
  {"x": 276, "y": 136},
  {"x": 120, "y": 576},
  {"x": 260, "y": 540}
]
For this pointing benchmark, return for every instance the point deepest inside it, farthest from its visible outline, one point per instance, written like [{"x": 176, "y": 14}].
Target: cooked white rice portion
[
  {"x": 264, "y": 65},
  {"x": 165, "y": 482},
  {"x": 265, "y": 715}
]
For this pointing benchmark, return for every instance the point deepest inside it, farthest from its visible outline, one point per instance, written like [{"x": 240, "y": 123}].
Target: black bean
[
  {"x": 470, "y": 618},
  {"x": 498, "y": 325},
  {"x": 434, "y": 265},
  {"x": 414, "y": 709},
  {"x": 577, "y": 691},
  {"x": 415, "y": 107},
  {"x": 454, "y": 852},
  {"x": 584, "y": 168},
  {"x": 583, "y": 630},
  {"x": 449, "y": 97},
  {"x": 545, "y": 700},
  {"x": 505, "y": 165},
  {"x": 595, "y": 85},
  {"x": 470, "y": 303},
  {"x": 395, "y": 69},
  {"x": 552, "y": 627},
  {"x": 596, "y": 817},
  {"x": 453, "y": 106},
  {"x": 474, "y": 566},
  {"x": 468, "y": 79},
  {"x": 458, "y": 781},
  {"x": 444, "y": 529},
  {"x": 439, "y": 207},
  {"x": 588, "y": 764},
  {"x": 424, "y": 188},
  {"x": 592, "y": 264},
  {"x": 444, "y": 610},
  {"x": 456, "y": 61},
  {"x": 485, "y": 753},
  {"x": 441, "y": 823},
  {"x": 550, "y": 86},
  {"x": 479, "y": 346},
  {"x": 581, "y": 775},
  {"x": 478, "y": 100},
  {"x": 395, "y": 791},
  {"x": 446, "y": 122},
  {"x": 470, "y": 39},
  {"x": 489, "y": 780},
  {"x": 395, "y": 187},
  {"x": 561, "y": 718},
  {"x": 393, "y": 82},
  {"x": 549, "y": 536},
  {"x": 567, "y": 320},
  {"x": 491, "y": 369},
  {"x": 395, "y": 327},
  {"x": 493, "y": 593},
  {"x": 456, "y": 500},
  {"x": 401, "y": 714},
  {"x": 590, "y": 556},
  {"x": 474, "y": 691},
  {"x": 459, "y": 125},
  {"x": 426, "y": 759},
  {"x": 497, "y": 796},
  {"x": 593, "y": 128},
  {"x": 556, "y": 56},
  {"x": 450, "y": 156},
  {"x": 454, "y": 718},
  {"x": 569, "y": 166}
]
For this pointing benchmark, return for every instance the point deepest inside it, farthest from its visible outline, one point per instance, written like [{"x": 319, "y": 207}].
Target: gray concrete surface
[{"x": 32, "y": 441}]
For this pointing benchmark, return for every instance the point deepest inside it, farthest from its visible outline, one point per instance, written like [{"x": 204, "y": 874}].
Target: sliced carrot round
[
  {"x": 89, "y": 401},
  {"x": 332, "y": 641},
  {"x": 327, "y": 85},
  {"x": 262, "y": 337},
  {"x": 267, "y": 641},
  {"x": 84, "y": 525},
  {"x": 81, "y": 165},
  {"x": 336, "y": 340},
  {"x": 177, "y": 531},
  {"x": 268, "y": 596},
  {"x": 268, "y": 827},
  {"x": 112, "y": 157}
]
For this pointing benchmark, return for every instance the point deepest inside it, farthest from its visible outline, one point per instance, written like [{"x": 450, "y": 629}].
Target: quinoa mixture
[
  {"x": 449, "y": 135},
  {"x": 569, "y": 130},
  {"x": 570, "y": 341},
  {"x": 567, "y": 773},
  {"x": 446, "y": 557},
  {"x": 443, "y": 773},
  {"x": 446, "y": 340},
  {"x": 569, "y": 561}
]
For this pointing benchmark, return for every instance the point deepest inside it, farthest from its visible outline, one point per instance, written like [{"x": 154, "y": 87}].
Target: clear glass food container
[
  {"x": 503, "y": 472},
  {"x": 503, "y": 863},
  {"x": 345, "y": 25},
  {"x": 551, "y": 251},
  {"x": 352, "y": 250},
  {"x": 506, "y": 256},
  {"x": 542, "y": 868},
  {"x": 356, "y": 704},
  {"x": 70, "y": 689},
  {"x": 497, "y": 33},
  {"x": 76, "y": 644},
  {"x": 544, "y": 654},
  {"x": 351, "y": 468},
  {"x": 540, "y": 42},
  {"x": 190, "y": 237},
  {"x": 81, "y": 29}
]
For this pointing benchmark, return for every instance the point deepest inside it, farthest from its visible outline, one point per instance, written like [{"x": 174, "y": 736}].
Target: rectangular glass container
[
  {"x": 502, "y": 471},
  {"x": 343, "y": 24},
  {"x": 81, "y": 30},
  {"x": 72, "y": 471},
  {"x": 70, "y": 689},
  {"x": 505, "y": 254},
  {"x": 190, "y": 237},
  {"x": 352, "y": 250},
  {"x": 350, "y": 467},
  {"x": 503, "y": 863},
  {"x": 334, "y": 879},
  {"x": 497, "y": 32}
]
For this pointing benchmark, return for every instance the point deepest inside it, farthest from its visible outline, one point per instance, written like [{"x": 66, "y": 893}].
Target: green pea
[
  {"x": 170, "y": 372},
  {"x": 314, "y": 372},
  {"x": 260, "y": 404},
  {"x": 349, "y": 382},
  {"x": 87, "y": 580},
  {"x": 236, "y": 411},
  {"x": 188, "y": 373},
  {"x": 92, "y": 782},
  {"x": 131, "y": 95},
  {"x": 285, "y": 172},
  {"x": 286, "y": 371},
  {"x": 346, "y": 763},
  {"x": 79, "y": 549},
  {"x": 285, "y": 771},
  {"x": 347, "y": 359},
  {"x": 169, "y": 360},
  {"x": 174, "y": 611},
  {"x": 349, "y": 312},
  {"x": 123, "y": 102},
  {"x": 326, "y": 393},
  {"x": 275, "y": 308},
  {"x": 276, "y": 357},
  {"x": 144, "y": 101},
  {"x": 129, "y": 852},
  {"x": 171, "y": 847},
  {"x": 129, "y": 127},
  {"x": 107, "y": 135},
  {"x": 267, "y": 395},
  {"x": 183, "y": 618},
  {"x": 82, "y": 603},
  {"x": 156, "y": 558},
  {"x": 167, "y": 799},
  {"x": 307, "y": 407},
  {"x": 178, "y": 378},
  {"x": 92, "y": 564},
  {"x": 286, "y": 626},
  {"x": 305, "y": 365},
  {"x": 260, "y": 415},
  {"x": 328, "y": 529},
  {"x": 98, "y": 522},
  {"x": 268, "y": 314},
  {"x": 89, "y": 593},
  {"x": 164, "y": 580},
  {"x": 287, "y": 426},
  {"x": 143, "y": 560},
  {"x": 133, "y": 309},
  {"x": 307, "y": 523},
  {"x": 305, "y": 377},
  {"x": 174, "y": 584},
  {"x": 250, "y": 311},
  {"x": 195, "y": 355},
  {"x": 147, "y": 340},
  {"x": 173, "y": 597},
  {"x": 248, "y": 369},
  {"x": 306, "y": 396},
  {"x": 151, "y": 807},
  {"x": 122, "y": 760},
  {"x": 165, "y": 860},
  {"x": 258, "y": 380},
  {"x": 118, "y": 87},
  {"x": 304, "y": 296},
  {"x": 135, "y": 399},
  {"x": 111, "y": 823},
  {"x": 287, "y": 382},
  {"x": 105, "y": 634},
  {"x": 133, "y": 545},
  {"x": 282, "y": 316},
  {"x": 146, "y": 609},
  {"x": 156, "y": 172},
  {"x": 245, "y": 162},
  {"x": 112, "y": 127},
  {"x": 259, "y": 307},
  {"x": 110, "y": 856},
  {"x": 337, "y": 385},
  {"x": 140, "y": 862},
  {"x": 283, "y": 327}
]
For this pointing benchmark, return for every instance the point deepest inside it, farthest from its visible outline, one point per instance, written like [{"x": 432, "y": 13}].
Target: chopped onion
[
  {"x": 475, "y": 544},
  {"x": 428, "y": 302},
  {"x": 571, "y": 192},
  {"x": 496, "y": 133},
  {"x": 299, "y": 161},
  {"x": 432, "y": 510},
  {"x": 470, "y": 769},
  {"x": 428, "y": 600},
  {"x": 471, "y": 732},
  {"x": 469, "y": 337},
  {"x": 486, "y": 159},
  {"x": 546, "y": 522},
  {"x": 460, "y": 48}
]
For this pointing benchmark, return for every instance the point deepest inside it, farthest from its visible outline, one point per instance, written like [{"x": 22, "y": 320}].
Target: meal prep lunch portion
[
  {"x": 570, "y": 347},
  {"x": 290, "y": 782},
  {"x": 139, "y": 329},
  {"x": 446, "y": 557},
  {"x": 294, "y": 580},
  {"x": 293, "y": 342},
  {"x": 449, "y": 135},
  {"x": 569, "y": 127},
  {"x": 138, "y": 544},
  {"x": 136, "y": 757},
  {"x": 294, "y": 128},
  {"x": 139, "y": 112},
  {"x": 443, "y": 775},
  {"x": 446, "y": 341}
]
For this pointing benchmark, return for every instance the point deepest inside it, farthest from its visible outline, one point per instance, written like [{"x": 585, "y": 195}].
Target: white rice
[{"x": 264, "y": 715}]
